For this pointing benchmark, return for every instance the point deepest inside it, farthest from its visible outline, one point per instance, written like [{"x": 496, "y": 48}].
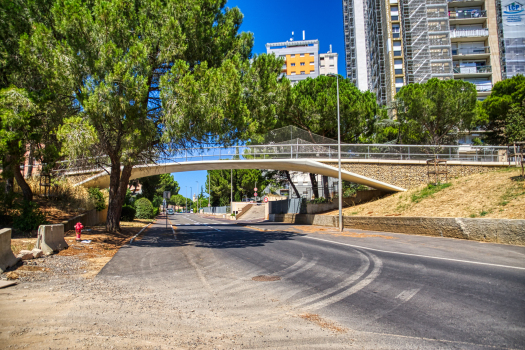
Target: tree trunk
[
  {"x": 8, "y": 175},
  {"x": 30, "y": 162},
  {"x": 315, "y": 185},
  {"x": 292, "y": 184},
  {"x": 118, "y": 185},
  {"x": 326, "y": 192},
  {"x": 15, "y": 169}
]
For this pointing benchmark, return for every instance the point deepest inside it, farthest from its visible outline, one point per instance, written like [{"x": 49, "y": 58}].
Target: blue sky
[{"x": 274, "y": 21}]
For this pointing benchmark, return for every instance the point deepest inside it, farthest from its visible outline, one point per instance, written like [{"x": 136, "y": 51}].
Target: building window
[
  {"x": 282, "y": 56},
  {"x": 302, "y": 55},
  {"x": 397, "y": 48},
  {"x": 292, "y": 73},
  {"x": 398, "y": 71},
  {"x": 293, "y": 64},
  {"x": 331, "y": 65},
  {"x": 331, "y": 58},
  {"x": 293, "y": 55},
  {"x": 398, "y": 66},
  {"x": 312, "y": 72},
  {"x": 302, "y": 63},
  {"x": 397, "y": 89},
  {"x": 395, "y": 30},
  {"x": 394, "y": 13},
  {"x": 311, "y": 63},
  {"x": 303, "y": 72}
]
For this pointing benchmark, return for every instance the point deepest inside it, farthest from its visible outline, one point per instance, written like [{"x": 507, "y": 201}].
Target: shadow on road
[{"x": 213, "y": 236}]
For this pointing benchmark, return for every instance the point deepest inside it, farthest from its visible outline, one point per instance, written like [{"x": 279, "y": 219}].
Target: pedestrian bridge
[{"x": 308, "y": 158}]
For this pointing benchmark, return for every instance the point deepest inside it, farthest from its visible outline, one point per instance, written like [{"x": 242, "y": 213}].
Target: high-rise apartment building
[
  {"x": 411, "y": 41},
  {"x": 301, "y": 58}
]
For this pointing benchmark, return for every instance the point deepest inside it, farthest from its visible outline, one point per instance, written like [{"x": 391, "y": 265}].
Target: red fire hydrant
[{"x": 78, "y": 230}]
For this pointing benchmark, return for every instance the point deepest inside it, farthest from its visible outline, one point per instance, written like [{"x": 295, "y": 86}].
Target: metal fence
[
  {"x": 287, "y": 206},
  {"x": 216, "y": 210}
]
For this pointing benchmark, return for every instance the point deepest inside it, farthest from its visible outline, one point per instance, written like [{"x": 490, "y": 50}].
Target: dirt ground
[
  {"x": 499, "y": 194},
  {"x": 93, "y": 255}
]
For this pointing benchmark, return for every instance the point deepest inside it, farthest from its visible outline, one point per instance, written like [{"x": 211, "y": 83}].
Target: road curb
[{"x": 132, "y": 238}]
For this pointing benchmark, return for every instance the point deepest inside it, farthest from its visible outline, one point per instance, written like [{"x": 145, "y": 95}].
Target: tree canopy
[
  {"x": 149, "y": 76},
  {"x": 503, "y": 107},
  {"x": 429, "y": 112}
]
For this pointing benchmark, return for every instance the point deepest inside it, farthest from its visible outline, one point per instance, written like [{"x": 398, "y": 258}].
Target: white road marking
[
  {"x": 356, "y": 288},
  {"x": 406, "y": 295},
  {"x": 417, "y": 255},
  {"x": 304, "y": 268},
  {"x": 365, "y": 264}
]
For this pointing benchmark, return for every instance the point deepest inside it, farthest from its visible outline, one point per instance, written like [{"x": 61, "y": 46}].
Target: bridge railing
[
  {"x": 330, "y": 152},
  {"x": 353, "y": 151}
]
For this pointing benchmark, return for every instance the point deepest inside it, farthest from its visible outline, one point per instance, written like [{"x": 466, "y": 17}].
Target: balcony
[
  {"x": 471, "y": 52},
  {"x": 468, "y": 34},
  {"x": 467, "y": 16},
  {"x": 464, "y": 3},
  {"x": 474, "y": 71}
]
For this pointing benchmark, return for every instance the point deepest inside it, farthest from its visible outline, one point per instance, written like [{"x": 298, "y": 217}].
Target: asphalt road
[{"x": 388, "y": 290}]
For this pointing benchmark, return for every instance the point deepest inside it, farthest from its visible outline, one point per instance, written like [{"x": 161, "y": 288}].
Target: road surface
[{"x": 373, "y": 289}]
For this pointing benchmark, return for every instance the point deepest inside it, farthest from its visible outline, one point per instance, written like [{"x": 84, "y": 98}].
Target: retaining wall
[
  {"x": 411, "y": 174},
  {"x": 89, "y": 218},
  {"x": 485, "y": 230}
]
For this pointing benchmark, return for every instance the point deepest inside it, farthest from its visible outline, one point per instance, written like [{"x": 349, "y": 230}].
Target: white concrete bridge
[{"x": 308, "y": 158}]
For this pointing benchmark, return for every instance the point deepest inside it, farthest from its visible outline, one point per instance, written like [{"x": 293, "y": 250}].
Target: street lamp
[
  {"x": 191, "y": 191},
  {"x": 186, "y": 199},
  {"x": 340, "y": 186},
  {"x": 197, "y": 196}
]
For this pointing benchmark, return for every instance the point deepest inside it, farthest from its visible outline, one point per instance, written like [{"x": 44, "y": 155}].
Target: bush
[
  {"x": 29, "y": 218},
  {"x": 98, "y": 198},
  {"x": 155, "y": 211},
  {"x": 128, "y": 213},
  {"x": 145, "y": 209},
  {"x": 157, "y": 201}
]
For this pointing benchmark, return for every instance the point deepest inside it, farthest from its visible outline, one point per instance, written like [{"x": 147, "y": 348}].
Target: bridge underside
[{"x": 101, "y": 180}]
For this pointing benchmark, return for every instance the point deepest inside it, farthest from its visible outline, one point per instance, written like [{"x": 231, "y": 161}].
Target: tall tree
[
  {"x": 506, "y": 96},
  {"x": 430, "y": 111},
  {"x": 31, "y": 108},
  {"x": 312, "y": 106},
  {"x": 244, "y": 181},
  {"x": 150, "y": 76}
]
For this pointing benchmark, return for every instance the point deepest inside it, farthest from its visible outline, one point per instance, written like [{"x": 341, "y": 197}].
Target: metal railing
[
  {"x": 466, "y": 33},
  {"x": 467, "y": 14},
  {"x": 473, "y": 69},
  {"x": 471, "y": 51},
  {"x": 324, "y": 152}
]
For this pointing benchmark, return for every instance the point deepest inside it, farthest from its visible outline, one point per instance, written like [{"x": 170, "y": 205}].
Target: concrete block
[
  {"x": 37, "y": 253},
  {"x": 25, "y": 255},
  {"x": 51, "y": 239},
  {"x": 7, "y": 258}
]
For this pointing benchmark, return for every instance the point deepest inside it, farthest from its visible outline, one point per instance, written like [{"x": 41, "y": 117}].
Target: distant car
[{"x": 170, "y": 211}]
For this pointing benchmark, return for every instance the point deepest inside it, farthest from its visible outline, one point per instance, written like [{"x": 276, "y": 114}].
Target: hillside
[{"x": 499, "y": 194}]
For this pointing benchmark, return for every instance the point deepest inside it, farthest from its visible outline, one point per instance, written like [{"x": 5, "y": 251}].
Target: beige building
[{"x": 328, "y": 62}]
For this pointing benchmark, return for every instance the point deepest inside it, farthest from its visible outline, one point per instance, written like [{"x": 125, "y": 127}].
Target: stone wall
[
  {"x": 484, "y": 230},
  {"x": 414, "y": 174}
]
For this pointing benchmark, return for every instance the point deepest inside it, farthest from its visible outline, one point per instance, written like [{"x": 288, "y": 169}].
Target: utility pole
[
  {"x": 186, "y": 199},
  {"x": 197, "y": 197}
]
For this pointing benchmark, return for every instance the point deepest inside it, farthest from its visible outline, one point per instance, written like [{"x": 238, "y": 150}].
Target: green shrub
[
  {"x": 29, "y": 217},
  {"x": 128, "y": 213},
  {"x": 98, "y": 198},
  {"x": 155, "y": 211},
  {"x": 157, "y": 201},
  {"x": 145, "y": 209}
]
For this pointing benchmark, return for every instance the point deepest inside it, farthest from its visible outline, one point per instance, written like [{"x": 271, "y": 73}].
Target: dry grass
[{"x": 498, "y": 194}]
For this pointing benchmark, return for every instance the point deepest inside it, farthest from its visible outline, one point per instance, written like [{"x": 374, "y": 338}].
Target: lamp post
[
  {"x": 340, "y": 186},
  {"x": 186, "y": 199},
  {"x": 191, "y": 191},
  {"x": 197, "y": 197}
]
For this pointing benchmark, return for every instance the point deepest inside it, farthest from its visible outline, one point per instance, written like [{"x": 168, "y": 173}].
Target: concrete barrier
[
  {"x": 507, "y": 231},
  {"x": 51, "y": 239},
  {"x": 7, "y": 258}
]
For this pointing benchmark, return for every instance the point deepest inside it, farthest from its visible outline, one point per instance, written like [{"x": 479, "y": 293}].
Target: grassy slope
[{"x": 499, "y": 194}]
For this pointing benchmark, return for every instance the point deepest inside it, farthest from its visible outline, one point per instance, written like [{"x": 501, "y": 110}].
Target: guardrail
[
  {"x": 472, "y": 70},
  {"x": 329, "y": 152},
  {"x": 469, "y": 33}
]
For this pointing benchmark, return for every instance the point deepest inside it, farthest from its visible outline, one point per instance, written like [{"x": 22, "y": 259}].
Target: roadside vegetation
[{"x": 498, "y": 194}]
